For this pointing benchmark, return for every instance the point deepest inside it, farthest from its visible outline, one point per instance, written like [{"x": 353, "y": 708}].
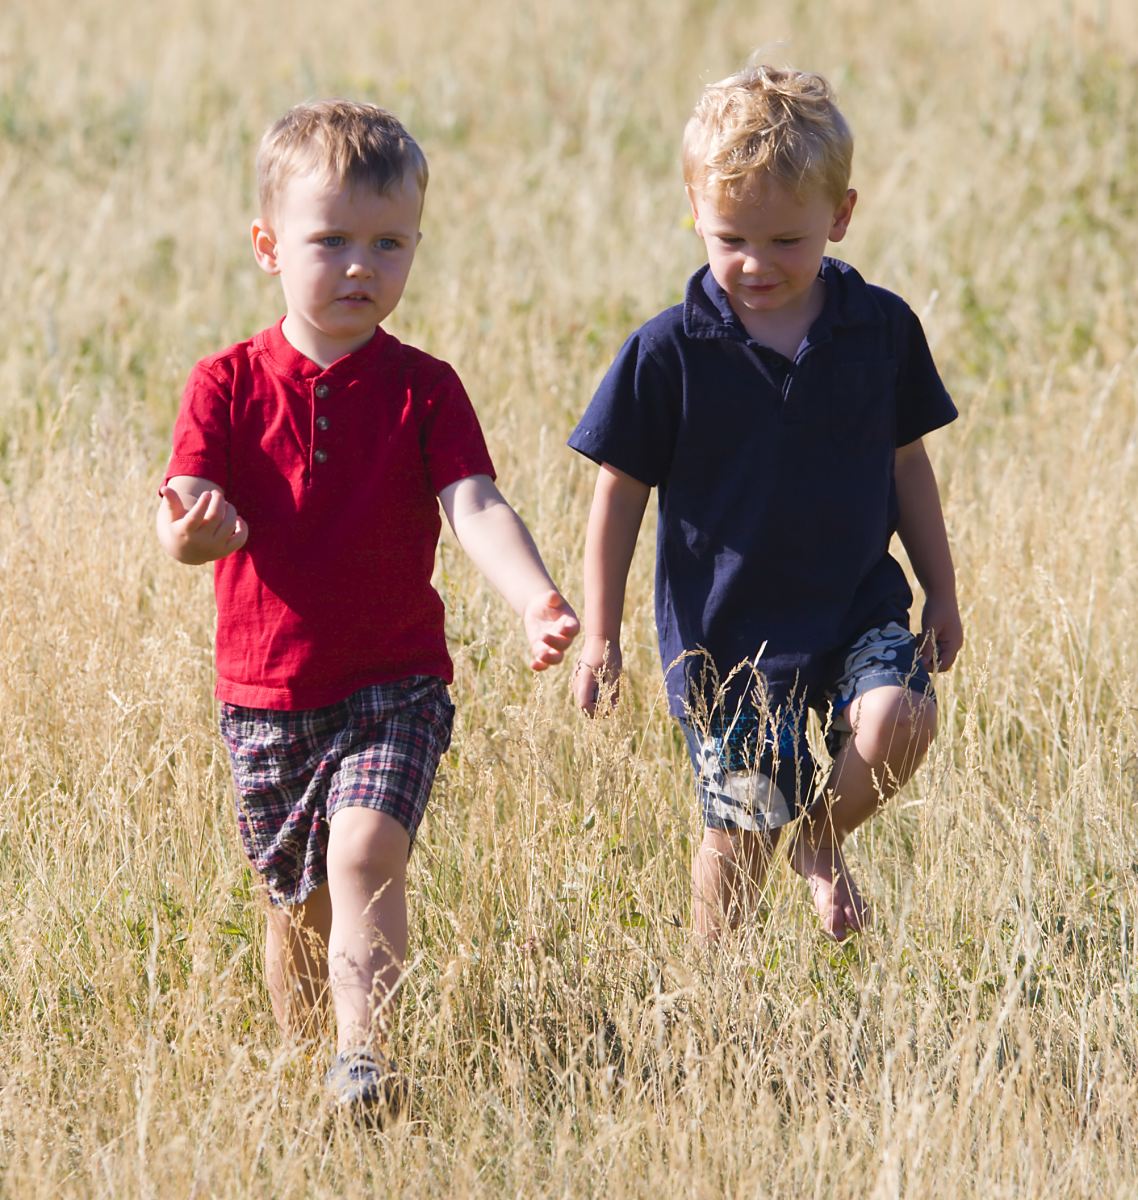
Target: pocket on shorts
[
  {"x": 258, "y": 747},
  {"x": 443, "y": 717},
  {"x": 428, "y": 698}
]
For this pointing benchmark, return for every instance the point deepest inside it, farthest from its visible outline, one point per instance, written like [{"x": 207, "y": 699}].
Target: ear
[
  {"x": 265, "y": 247},
  {"x": 842, "y": 216},
  {"x": 694, "y": 209}
]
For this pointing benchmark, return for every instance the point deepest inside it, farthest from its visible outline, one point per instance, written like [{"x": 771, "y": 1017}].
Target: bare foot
[{"x": 840, "y": 905}]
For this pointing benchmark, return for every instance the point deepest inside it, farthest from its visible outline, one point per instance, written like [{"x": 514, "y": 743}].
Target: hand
[
  {"x": 208, "y": 530},
  {"x": 598, "y": 655},
  {"x": 551, "y": 625},
  {"x": 942, "y": 633}
]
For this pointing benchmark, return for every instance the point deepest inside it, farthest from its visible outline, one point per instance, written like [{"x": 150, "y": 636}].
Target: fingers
[
  {"x": 570, "y": 625},
  {"x": 586, "y": 690},
  {"x": 549, "y": 648},
  {"x": 240, "y": 534},
  {"x": 173, "y": 502},
  {"x": 203, "y": 509},
  {"x": 551, "y": 625},
  {"x": 554, "y": 608},
  {"x": 942, "y": 632},
  {"x": 216, "y": 524},
  {"x": 209, "y": 529},
  {"x": 587, "y": 685},
  {"x": 939, "y": 648},
  {"x": 561, "y": 636},
  {"x": 947, "y": 650}
]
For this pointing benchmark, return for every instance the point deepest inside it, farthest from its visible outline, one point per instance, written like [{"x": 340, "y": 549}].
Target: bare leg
[
  {"x": 296, "y": 964},
  {"x": 367, "y": 879},
  {"x": 892, "y": 731},
  {"x": 727, "y": 873}
]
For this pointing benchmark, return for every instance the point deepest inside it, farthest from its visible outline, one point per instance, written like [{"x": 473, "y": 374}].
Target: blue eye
[
  {"x": 333, "y": 243},
  {"x": 387, "y": 244}
]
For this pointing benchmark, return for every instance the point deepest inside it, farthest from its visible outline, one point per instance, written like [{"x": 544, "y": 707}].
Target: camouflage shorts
[{"x": 755, "y": 770}]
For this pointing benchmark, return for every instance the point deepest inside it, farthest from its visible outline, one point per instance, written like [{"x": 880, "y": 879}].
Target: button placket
[{"x": 321, "y": 392}]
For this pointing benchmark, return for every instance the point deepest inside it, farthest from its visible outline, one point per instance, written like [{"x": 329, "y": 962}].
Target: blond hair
[
  {"x": 353, "y": 144},
  {"x": 768, "y": 121}
]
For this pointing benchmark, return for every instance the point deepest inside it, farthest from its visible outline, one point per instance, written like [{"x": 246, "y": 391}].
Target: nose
[{"x": 360, "y": 270}]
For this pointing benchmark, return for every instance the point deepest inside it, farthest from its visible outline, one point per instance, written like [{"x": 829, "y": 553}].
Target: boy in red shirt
[{"x": 308, "y": 465}]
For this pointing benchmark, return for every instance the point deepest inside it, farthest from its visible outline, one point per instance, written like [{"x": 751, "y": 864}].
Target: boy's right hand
[
  {"x": 600, "y": 660},
  {"x": 206, "y": 531},
  {"x": 551, "y": 625}
]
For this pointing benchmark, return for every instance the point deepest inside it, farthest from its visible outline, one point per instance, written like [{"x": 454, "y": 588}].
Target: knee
[
  {"x": 738, "y": 846},
  {"x": 368, "y": 844},
  {"x": 896, "y": 725}
]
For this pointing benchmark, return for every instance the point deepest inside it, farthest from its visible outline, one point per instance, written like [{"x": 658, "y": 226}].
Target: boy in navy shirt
[{"x": 779, "y": 413}]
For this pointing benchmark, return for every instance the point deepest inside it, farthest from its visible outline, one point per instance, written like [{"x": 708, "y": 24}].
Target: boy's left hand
[
  {"x": 942, "y": 632},
  {"x": 550, "y": 625}
]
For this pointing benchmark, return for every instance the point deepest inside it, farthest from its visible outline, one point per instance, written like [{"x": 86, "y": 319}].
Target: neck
[
  {"x": 784, "y": 329},
  {"x": 321, "y": 350}
]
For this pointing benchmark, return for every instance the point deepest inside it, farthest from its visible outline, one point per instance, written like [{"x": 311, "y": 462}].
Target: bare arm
[
  {"x": 619, "y": 501},
  {"x": 922, "y": 533},
  {"x": 196, "y": 524},
  {"x": 500, "y": 546}
]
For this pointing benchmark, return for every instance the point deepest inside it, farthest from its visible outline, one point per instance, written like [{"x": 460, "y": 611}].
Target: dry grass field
[{"x": 564, "y": 1035}]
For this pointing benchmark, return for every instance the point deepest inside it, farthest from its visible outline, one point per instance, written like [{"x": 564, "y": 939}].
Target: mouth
[{"x": 355, "y": 299}]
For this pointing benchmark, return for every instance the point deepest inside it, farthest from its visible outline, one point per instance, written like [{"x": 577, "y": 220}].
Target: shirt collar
[
  {"x": 849, "y": 302},
  {"x": 289, "y": 360}
]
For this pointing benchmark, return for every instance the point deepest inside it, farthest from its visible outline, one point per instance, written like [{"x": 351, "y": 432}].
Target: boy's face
[
  {"x": 343, "y": 256},
  {"x": 766, "y": 250}
]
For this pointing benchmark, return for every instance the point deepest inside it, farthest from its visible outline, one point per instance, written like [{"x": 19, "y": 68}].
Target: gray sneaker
[{"x": 366, "y": 1084}]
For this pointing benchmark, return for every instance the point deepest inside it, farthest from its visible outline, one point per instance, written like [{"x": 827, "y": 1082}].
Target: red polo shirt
[{"x": 336, "y": 472}]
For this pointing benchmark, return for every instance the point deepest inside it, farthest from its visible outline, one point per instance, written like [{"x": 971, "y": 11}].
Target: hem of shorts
[
  {"x": 911, "y": 683},
  {"x": 299, "y": 699},
  {"x": 722, "y": 825},
  {"x": 277, "y": 900}
]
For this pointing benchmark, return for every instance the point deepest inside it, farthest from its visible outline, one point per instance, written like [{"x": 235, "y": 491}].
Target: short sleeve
[
  {"x": 451, "y": 437},
  {"x": 632, "y": 420},
  {"x": 202, "y": 429},
  {"x": 923, "y": 403}
]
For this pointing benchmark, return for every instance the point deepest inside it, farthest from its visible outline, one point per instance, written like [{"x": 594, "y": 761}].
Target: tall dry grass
[{"x": 563, "y": 1034}]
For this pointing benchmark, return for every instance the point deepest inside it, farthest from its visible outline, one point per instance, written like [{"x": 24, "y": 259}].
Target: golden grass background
[{"x": 563, "y": 1034}]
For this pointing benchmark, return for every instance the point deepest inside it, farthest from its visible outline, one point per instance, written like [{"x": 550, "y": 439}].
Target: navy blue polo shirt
[{"x": 774, "y": 478}]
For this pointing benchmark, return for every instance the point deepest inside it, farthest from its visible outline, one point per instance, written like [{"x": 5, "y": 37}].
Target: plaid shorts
[
  {"x": 754, "y": 770},
  {"x": 378, "y": 749}
]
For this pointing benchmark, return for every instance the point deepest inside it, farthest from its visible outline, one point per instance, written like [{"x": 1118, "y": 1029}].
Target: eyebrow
[
  {"x": 336, "y": 231},
  {"x": 782, "y": 234}
]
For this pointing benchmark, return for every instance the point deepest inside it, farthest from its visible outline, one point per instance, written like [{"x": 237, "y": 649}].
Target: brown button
[
  {"x": 321, "y": 456},
  {"x": 322, "y": 422},
  {"x": 322, "y": 390}
]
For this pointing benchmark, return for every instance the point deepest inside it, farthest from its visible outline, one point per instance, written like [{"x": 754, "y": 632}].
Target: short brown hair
[
  {"x": 354, "y": 144},
  {"x": 768, "y": 121}
]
